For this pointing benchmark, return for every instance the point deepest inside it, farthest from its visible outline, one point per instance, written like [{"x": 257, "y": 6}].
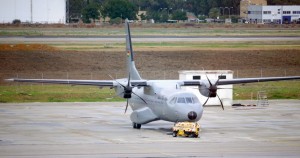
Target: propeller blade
[
  {"x": 126, "y": 106},
  {"x": 139, "y": 97},
  {"x": 218, "y": 79},
  {"x": 221, "y": 102},
  {"x": 208, "y": 80},
  {"x": 117, "y": 95},
  {"x": 206, "y": 100},
  {"x": 116, "y": 81},
  {"x": 110, "y": 76}
]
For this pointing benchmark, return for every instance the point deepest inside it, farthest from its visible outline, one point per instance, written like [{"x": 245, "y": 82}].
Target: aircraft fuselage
[{"x": 165, "y": 101}]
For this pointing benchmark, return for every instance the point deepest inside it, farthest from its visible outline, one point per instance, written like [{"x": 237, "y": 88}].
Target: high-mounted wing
[
  {"x": 251, "y": 80},
  {"x": 100, "y": 83},
  {"x": 240, "y": 80},
  {"x": 108, "y": 83}
]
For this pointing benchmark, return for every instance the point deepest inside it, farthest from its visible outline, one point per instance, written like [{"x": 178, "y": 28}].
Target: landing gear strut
[{"x": 136, "y": 126}]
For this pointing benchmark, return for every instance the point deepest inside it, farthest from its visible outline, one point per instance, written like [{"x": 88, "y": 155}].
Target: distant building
[
  {"x": 245, "y": 3},
  {"x": 140, "y": 14},
  {"x": 273, "y": 14},
  {"x": 33, "y": 11},
  {"x": 191, "y": 17}
]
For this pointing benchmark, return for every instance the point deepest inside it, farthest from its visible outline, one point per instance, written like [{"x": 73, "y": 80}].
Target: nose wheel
[{"x": 136, "y": 126}]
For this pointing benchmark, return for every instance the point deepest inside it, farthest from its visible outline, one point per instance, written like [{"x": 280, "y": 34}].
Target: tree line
[{"x": 159, "y": 10}]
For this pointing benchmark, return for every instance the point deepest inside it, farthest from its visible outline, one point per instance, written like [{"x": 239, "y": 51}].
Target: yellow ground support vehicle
[{"x": 186, "y": 129}]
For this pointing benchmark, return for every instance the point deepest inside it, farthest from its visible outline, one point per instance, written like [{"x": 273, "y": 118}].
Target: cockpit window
[
  {"x": 195, "y": 99},
  {"x": 184, "y": 100},
  {"x": 173, "y": 101},
  {"x": 180, "y": 100},
  {"x": 189, "y": 100}
]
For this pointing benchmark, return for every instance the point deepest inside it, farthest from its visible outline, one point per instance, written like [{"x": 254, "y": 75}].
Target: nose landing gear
[{"x": 136, "y": 126}]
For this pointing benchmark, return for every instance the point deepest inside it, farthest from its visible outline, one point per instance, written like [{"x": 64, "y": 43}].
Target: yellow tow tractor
[{"x": 186, "y": 129}]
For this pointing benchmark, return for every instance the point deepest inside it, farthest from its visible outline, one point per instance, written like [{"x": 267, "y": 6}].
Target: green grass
[
  {"x": 149, "y": 31},
  {"x": 55, "y": 93},
  {"x": 275, "y": 90},
  {"x": 65, "y": 93}
]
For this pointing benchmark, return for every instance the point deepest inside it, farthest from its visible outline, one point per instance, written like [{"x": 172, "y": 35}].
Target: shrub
[
  {"x": 117, "y": 20},
  {"x": 16, "y": 21}
]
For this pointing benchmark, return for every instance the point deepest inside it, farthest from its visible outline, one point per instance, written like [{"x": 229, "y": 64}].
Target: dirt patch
[
  {"x": 33, "y": 61},
  {"x": 26, "y": 47}
]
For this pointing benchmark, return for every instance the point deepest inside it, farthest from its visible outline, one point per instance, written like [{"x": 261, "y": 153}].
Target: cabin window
[{"x": 180, "y": 100}]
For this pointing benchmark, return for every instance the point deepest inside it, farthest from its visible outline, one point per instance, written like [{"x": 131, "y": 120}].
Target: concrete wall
[{"x": 33, "y": 11}]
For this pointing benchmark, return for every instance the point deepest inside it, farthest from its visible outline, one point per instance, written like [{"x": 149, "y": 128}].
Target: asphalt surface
[
  {"x": 103, "y": 130},
  {"x": 47, "y": 39}
]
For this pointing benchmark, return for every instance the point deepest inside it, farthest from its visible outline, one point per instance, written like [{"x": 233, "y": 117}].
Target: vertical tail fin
[{"x": 131, "y": 69}]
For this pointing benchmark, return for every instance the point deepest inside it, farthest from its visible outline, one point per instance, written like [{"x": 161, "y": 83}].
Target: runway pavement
[{"x": 103, "y": 130}]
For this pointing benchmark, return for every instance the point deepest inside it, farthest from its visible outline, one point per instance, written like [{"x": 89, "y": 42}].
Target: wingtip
[{"x": 9, "y": 80}]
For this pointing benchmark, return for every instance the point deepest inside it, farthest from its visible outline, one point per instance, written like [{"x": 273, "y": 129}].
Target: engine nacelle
[
  {"x": 127, "y": 95},
  {"x": 208, "y": 91}
]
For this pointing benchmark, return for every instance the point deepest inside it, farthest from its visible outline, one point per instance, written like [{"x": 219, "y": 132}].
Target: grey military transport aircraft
[{"x": 153, "y": 100}]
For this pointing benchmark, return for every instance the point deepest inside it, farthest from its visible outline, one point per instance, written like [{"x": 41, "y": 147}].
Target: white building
[
  {"x": 225, "y": 93},
  {"x": 273, "y": 14},
  {"x": 33, "y": 11}
]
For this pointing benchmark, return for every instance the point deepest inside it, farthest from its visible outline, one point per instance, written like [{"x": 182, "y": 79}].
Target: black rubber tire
[
  {"x": 174, "y": 134},
  {"x": 136, "y": 126}
]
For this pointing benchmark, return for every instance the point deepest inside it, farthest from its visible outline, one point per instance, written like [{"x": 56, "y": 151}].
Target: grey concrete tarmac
[{"x": 103, "y": 130}]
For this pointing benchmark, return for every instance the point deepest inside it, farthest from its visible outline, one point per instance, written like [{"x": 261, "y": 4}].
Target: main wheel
[
  {"x": 136, "y": 126},
  {"x": 174, "y": 134}
]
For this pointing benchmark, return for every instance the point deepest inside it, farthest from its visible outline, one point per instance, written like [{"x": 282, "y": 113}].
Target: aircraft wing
[
  {"x": 241, "y": 80},
  {"x": 109, "y": 83},
  {"x": 252, "y": 80},
  {"x": 100, "y": 83}
]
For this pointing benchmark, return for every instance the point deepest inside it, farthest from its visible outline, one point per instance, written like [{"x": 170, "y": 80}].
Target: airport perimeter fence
[{"x": 150, "y": 75}]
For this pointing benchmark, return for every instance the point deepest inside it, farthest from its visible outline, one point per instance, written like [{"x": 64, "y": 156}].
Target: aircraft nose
[{"x": 192, "y": 115}]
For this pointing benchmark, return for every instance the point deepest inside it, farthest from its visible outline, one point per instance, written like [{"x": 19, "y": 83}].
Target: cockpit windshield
[
  {"x": 184, "y": 100},
  {"x": 180, "y": 100}
]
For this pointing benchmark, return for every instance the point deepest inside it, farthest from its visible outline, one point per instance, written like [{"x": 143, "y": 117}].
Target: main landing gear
[{"x": 136, "y": 126}]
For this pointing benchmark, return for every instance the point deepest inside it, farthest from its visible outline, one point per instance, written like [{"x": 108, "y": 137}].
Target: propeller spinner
[
  {"x": 213, "y": 91},
  {"x": 127, "y": 93}
]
